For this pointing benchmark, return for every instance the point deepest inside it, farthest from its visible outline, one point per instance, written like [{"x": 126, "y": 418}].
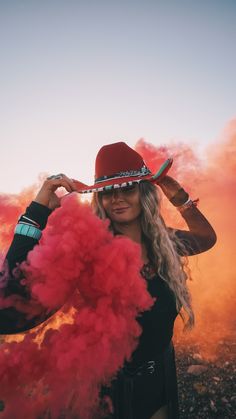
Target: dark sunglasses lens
[
  {"x": 128, "y": 188},
  {"x": 109, "y": 192}
]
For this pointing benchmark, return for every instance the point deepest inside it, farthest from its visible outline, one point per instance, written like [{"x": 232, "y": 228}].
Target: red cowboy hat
[{"x": 118, "y": 165}]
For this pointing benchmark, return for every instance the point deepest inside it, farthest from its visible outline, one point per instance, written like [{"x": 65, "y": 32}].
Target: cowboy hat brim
[{"x": 124, "y": 181}]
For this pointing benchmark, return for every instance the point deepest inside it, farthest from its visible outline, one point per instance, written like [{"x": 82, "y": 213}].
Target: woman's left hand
[{"x": 169, "y": 186}]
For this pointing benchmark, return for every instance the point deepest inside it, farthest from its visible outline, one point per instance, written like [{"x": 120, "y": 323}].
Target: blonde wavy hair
[{"x": 163, "y": 247}]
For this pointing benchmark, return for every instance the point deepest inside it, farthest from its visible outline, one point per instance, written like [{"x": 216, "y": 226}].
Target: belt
[{"x": 148, "y": 368}]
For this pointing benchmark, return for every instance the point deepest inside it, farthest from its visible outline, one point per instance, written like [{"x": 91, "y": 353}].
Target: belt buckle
[
  {"x": 151, "y": 367},
  {"x": 148, "y": 368}
]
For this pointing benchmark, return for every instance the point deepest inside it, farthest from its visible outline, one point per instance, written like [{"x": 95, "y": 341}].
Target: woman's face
[{"x": 122, "y": 205}]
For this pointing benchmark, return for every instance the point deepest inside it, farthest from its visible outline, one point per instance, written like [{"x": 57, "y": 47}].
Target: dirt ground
[{"x": 207, "y": 388}]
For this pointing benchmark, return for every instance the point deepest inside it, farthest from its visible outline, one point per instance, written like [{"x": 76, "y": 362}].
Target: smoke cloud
[
  {"x": 94, "y": 279},
  {"x": 79, "y": 266},
  {"x": 213, "y": 182}
]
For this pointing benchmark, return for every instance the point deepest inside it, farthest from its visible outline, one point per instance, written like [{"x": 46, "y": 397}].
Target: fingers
[
  {"x": 49, "y": 187},
  {"x": 167, "y": 180},
  {"x": 57, "y": 181},
  {"x": 169, "y": 186}
]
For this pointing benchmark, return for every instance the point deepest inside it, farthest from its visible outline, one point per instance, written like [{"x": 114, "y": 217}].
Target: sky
[{"x": 75, "y": 75}]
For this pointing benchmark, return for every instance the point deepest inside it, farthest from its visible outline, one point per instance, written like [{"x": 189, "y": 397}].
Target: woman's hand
[
  {"x": 169, "y": 186},
  {"x": 173, "y": 191},
  {"x": 47, "y": 196}
]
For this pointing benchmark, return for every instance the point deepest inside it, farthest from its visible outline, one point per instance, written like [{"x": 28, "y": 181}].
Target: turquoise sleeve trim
[{"x": 28, "y": 230}]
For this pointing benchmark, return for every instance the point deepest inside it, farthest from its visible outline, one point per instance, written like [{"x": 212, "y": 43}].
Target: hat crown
[{"x": 116, "y": 158}]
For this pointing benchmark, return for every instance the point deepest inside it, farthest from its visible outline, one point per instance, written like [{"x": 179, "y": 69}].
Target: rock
[
  {"x": 216, "y": 378},
  {"x": 196, "y": 369},
  {"x": 224, "y": 400},
  {"x": 191, "y": 409},
  {"x": 197, "y": 357},
  {"x": 200, "y": 388},
  {"x": 212, "y": 406}
]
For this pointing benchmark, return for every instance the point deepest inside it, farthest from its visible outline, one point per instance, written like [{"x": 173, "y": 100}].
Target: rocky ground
[{"x": 206, "y": 387}]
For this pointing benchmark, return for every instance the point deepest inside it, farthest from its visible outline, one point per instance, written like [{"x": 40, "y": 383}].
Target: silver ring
[{"x": 59, "y": 176}]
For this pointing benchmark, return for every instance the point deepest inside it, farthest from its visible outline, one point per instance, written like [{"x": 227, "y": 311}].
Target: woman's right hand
[{"x": 47, "y": 194}]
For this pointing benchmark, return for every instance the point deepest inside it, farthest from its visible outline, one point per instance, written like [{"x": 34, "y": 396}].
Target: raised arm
[
  {"x": 27, "y": 235},
  {"x": 34, "y": 220},
  {"x": 31, "y": 224},
  {"x": 201, "y": 235}
]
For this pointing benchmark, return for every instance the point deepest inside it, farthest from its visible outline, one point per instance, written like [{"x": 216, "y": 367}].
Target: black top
[{"x": 157, "y": 323}]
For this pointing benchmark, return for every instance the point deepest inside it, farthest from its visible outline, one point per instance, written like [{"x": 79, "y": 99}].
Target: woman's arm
[
  {"x": 11, "y": 319},
  {"x": 201, "y": 235},
  {"x": 35, "y": 215},
  {"x": 35, "y": 219}
]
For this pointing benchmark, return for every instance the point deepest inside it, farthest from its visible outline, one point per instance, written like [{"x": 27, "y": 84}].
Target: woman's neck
[{"x": 131, "y": 230}]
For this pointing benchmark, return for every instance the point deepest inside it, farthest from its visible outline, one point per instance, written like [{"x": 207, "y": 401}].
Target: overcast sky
[{"x": 75, "y": 75}]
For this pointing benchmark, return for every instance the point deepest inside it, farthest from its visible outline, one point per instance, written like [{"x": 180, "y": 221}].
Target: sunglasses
[{"x": 125, "y": 190}]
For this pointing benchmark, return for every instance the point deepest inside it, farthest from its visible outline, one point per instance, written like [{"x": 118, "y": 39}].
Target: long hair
[{"x": 162, "y": 244}]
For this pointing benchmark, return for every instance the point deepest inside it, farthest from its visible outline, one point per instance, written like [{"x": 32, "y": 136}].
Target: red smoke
[
  {"x": 80, "y": 263},
  {"x": 213, "y": 272},
  {"x": 11, "y": 206}
]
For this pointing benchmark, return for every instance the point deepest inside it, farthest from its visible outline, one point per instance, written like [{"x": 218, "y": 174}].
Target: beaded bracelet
[
  {"x": 180, "y": 198},
  {"x": 188, "y": 204},
  {"x": 30, "y": 221},
  {"x": 28, "y": 230}
]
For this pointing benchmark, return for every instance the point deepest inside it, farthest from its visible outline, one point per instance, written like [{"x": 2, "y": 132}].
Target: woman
[{"x": 125, "y": 192}]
